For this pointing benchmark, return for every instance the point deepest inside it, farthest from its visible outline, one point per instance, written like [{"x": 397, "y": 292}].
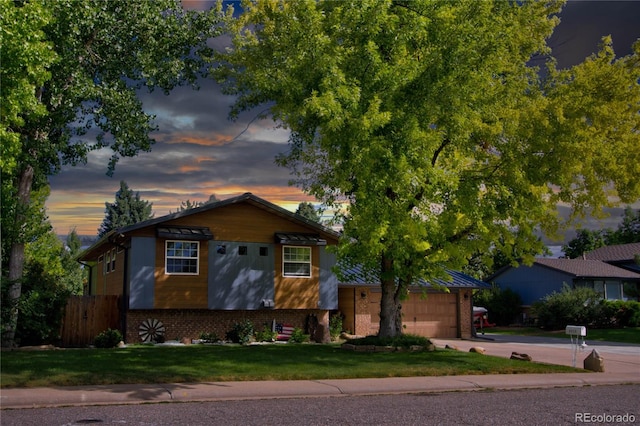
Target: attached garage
[{"x": 429, "y": 313}]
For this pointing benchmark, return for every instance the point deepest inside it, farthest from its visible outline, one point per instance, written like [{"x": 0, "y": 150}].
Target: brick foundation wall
[
  {"x": 362, "y": 312},
  {"x": 189, "y": 323},
  {"x": 465, "y": 325}
]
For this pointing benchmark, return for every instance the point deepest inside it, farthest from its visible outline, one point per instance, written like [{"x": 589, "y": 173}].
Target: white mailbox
[{"x": 576, "y": 330}]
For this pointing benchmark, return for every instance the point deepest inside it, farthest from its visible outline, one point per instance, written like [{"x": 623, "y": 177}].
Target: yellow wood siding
[
  {"x": 181, "y": 291},
  {"x": 435, "y": 316},
  {"x": 241, "y": 222},
  {"x": 297, "y": 293}
]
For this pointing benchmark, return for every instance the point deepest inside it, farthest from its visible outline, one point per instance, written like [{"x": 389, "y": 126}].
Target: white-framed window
[
  {"x": 181, "y": 257},
  {"x": 296, "y": 261}
]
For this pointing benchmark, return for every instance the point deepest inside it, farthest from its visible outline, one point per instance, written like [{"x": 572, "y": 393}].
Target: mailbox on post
[{"x": 576, "y": 332}]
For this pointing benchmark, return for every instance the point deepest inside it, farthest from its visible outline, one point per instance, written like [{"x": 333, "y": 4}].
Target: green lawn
[
  {"x": 199, "y": 363},
  {"x": 622, "y": 335}
]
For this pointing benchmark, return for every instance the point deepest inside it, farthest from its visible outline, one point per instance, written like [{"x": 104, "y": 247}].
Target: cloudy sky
[{"x": 200, "y": 152}]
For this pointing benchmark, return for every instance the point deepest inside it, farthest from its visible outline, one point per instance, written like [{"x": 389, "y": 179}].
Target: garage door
[{"x": 435, "y": 316}]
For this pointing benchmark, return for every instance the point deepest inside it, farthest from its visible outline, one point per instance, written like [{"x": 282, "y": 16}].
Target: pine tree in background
[
  {"x": 307, "y": 211},
  {"x": 628, "y": 231},
  {"x": 128, "y": 209},
  {"x": 188, "y": 204}
]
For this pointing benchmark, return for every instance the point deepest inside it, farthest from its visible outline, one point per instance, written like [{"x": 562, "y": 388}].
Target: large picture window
[
  {"x": 181, "y": 257},
  {"x": 296, "y": 261}
]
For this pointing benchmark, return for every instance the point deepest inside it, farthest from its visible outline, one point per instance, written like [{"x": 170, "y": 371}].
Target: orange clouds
[{"x": 85, "y": 212}]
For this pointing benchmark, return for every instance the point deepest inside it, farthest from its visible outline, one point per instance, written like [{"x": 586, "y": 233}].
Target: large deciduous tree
[
  {"x": 428, "y": 120},
  {"x": 70, "y": 72}
]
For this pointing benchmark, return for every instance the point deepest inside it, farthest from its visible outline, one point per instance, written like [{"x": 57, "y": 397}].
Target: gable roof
[
  {"x": 581, "y": 268},
  {"x": 616, "y": 253},
  {"x": 247, "y": 197},
  {"x": 357, "y": 276},
  {"x": 203, "y": 233}
]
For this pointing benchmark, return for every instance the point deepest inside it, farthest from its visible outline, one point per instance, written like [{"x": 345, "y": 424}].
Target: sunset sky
[{"x": 199, "y": 152}]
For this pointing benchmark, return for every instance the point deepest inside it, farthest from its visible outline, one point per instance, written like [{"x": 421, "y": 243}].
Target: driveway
[{"x": 618, "y": 357}]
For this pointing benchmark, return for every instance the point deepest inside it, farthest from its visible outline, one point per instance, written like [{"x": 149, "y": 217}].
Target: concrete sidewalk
[{"x": 622, "y": 366}]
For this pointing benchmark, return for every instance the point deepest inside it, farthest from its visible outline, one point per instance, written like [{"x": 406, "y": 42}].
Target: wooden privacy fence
[{"x": 87, "y": 316}]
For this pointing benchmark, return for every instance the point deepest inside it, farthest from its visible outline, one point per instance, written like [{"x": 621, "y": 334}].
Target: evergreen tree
[
  {"x": 628, "y": 230},
  {"x": 307, "y": 210},
  {"x": 128, "y": 209},
  {"x": 188, "y": 204}
]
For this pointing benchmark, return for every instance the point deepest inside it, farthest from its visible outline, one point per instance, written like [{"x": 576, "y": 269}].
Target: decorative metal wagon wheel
[{"x": 151, "y": 330}]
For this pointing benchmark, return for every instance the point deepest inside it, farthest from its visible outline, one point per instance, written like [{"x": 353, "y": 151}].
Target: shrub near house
[{"x": 584, "y": 306}]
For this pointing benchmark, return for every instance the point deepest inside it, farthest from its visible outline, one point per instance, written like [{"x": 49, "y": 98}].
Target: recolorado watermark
[{"x": 604, "y": 418}]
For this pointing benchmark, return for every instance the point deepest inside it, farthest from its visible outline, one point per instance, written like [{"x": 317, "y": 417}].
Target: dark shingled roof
[
  {"x": 587, "y": 268},
  {"x": 356, "y": 276},
  {"x": 617, "y": 253}
]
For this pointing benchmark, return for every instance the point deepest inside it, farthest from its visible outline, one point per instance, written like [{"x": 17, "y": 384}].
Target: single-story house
[
  {"x": 547, "y": 275},
  {"x": 244, "y": 258},
  {"x": 626, "y": 256}
]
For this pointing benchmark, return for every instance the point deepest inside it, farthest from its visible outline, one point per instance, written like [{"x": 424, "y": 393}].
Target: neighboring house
[
  {"x": 546, "y": 275},
  {"x": 625, "y": 256},
  {"x": 204, "y": 269},
  {"x": 427, "y": 311}
]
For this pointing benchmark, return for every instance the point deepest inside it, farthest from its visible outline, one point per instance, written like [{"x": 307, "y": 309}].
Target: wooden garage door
[{"x": 435, "y": 316}]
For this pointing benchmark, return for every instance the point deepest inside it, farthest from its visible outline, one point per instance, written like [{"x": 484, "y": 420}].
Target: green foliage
[
  {"x": 51, "y": 275},
  {"x": 628, "y": 231},
  {"x": 426, "y": 123},
  {"x": 108, "y": 339},
  {"x": 298, "y": 336},
  {"x": 579, "y": 306},
  {"x": 503, "y": 305},
  {"x": 241, "y": 332},
  {"x": 188, "y": 204},
  {"x": 584, "y": 242},
  {"x": 128, "y": 209},
  {"x": 619, "y": 313},
  {"x": 308, "y": 211},
  {"x": 71, "y": 71},
  {"x": 401, "y": 341},
  {"x": 209, "y": 337},
  {"x": 335, "y": 325},
  {"x": 266, "y": 335},
  {"x": 26, "y": 56}
]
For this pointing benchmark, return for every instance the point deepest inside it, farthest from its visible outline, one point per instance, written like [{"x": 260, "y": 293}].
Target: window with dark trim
[
  {"x": 181, "y": 257},
  {"x": 296, "y": 261},
  {"x": 242, "y": 250},
  {"x": 264, "y": 251}
]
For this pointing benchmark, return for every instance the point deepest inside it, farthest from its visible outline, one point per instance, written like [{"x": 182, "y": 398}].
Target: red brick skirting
[{"x": 190, "y": 323}]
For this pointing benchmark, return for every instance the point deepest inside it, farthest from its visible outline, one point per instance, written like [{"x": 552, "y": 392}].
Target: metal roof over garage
[{"x": 357, "y": 276}]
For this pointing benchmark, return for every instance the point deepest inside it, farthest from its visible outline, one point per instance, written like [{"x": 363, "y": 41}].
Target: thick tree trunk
[
  {"x": 390, "y": 306},
  {"x": 16, "y": 256}
]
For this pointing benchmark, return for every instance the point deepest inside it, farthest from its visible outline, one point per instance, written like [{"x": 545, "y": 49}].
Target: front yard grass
[
  {"x": 201, "y": 363},
  {"x": 620, "y": 335}
]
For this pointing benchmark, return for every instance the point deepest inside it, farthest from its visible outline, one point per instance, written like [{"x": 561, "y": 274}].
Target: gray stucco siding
[
  {"x": 328, "y": 281},
  {"x": 238, "y": 276},
  {"x": 142, "y": 263}
]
